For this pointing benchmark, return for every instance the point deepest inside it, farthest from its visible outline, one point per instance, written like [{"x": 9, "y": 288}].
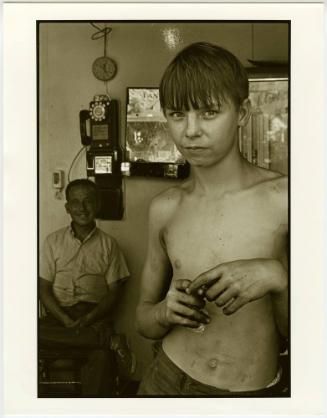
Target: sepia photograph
[{"x": 163, "y": 209}]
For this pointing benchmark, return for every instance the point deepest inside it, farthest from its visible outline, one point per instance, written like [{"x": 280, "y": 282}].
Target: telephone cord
[{"x": 73, "y": 162}]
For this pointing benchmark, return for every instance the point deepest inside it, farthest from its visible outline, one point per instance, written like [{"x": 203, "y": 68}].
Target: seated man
[{"x": 82, "y": 271}]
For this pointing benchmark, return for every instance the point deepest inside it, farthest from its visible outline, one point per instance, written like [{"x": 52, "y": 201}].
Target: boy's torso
[{"x": 240, "y": 351}]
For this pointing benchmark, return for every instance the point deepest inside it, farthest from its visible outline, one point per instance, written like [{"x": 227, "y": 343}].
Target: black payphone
[{"x": 100, "y": 133}]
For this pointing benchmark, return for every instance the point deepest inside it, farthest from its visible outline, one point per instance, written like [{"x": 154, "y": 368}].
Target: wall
[{"x": 66, "y": 85}]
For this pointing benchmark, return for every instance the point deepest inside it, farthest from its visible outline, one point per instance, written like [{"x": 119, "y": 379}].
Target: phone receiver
[{"x": 84, "y": 115}]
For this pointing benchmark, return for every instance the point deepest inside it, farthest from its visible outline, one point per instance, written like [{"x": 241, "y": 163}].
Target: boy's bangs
[
  {"x": 201, "y": 76},
  {"x": 184, "y": 90}
]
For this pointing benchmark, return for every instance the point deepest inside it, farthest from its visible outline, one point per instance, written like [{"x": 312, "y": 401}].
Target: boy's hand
[
  {"x": 179, "y": 308},
  {"x": 234, "y": 284}
]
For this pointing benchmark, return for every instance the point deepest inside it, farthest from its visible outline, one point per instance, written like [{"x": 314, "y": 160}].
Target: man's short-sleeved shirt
[{"x": 81, "y": 271}]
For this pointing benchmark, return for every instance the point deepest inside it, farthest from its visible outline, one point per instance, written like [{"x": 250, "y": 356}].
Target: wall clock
[{"x": 104, "y": 68}]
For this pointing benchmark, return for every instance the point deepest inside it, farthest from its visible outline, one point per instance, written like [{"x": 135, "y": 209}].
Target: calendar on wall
[{"x": 147, "y": 135}]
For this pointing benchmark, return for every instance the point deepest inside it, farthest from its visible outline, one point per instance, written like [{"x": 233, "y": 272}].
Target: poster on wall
[{"x": 186, "y": 303}]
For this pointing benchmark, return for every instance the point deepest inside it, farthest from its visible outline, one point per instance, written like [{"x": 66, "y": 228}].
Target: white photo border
[{"x": 20, "y": 209}]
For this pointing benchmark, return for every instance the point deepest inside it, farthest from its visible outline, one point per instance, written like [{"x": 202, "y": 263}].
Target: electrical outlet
[{"x": 58, "y": 179}]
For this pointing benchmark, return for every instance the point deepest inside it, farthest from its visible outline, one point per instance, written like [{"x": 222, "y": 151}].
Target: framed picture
[
  {"x": 150, "y": 149},
  {"x": 47, "y": 137},
  {"x": 264, "y": 140}
]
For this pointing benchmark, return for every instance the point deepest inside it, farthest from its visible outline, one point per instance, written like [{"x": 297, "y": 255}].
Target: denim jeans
[{"x": 164, "y": 378}]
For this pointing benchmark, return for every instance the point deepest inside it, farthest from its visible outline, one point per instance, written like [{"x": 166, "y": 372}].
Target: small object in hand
[
  {"x": 202, "y": 289},
  {"x": 201, "y": 328}
]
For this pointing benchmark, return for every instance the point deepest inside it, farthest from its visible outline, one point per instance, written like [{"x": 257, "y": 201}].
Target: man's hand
[
  {"x": 77, "y": 324},
  {"x": 69, "y": 322},
  {"x": 234, "y": 284},
  {"x": 81, "y": 322},
  {"x": 180, "y": 308}
]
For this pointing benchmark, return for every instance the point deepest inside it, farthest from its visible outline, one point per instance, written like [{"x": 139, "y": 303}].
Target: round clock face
[{"x": 104, "y": 68}]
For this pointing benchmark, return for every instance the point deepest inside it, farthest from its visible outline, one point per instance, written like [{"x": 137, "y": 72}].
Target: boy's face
[
  {"x": 205, "y": 136},
  {"x": 82, "y": 205}
]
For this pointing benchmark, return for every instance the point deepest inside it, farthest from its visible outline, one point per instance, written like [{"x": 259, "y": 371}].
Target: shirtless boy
[{"x": 215, "y": 281}]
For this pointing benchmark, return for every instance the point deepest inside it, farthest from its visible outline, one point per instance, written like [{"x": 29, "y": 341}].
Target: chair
[
  {"x": 59, "y": 369},
  {"x": 59, "y": 372}
]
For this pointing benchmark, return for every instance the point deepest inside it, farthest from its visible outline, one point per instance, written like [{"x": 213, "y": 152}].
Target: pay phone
[{"x": 100, "y": 133}]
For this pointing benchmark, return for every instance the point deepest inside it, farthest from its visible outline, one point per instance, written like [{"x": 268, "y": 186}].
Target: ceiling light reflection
[{"x": 172, "y": 37}]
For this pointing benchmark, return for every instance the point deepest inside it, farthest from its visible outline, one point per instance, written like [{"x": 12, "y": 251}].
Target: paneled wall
[{"x": 66, "y": 85}]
